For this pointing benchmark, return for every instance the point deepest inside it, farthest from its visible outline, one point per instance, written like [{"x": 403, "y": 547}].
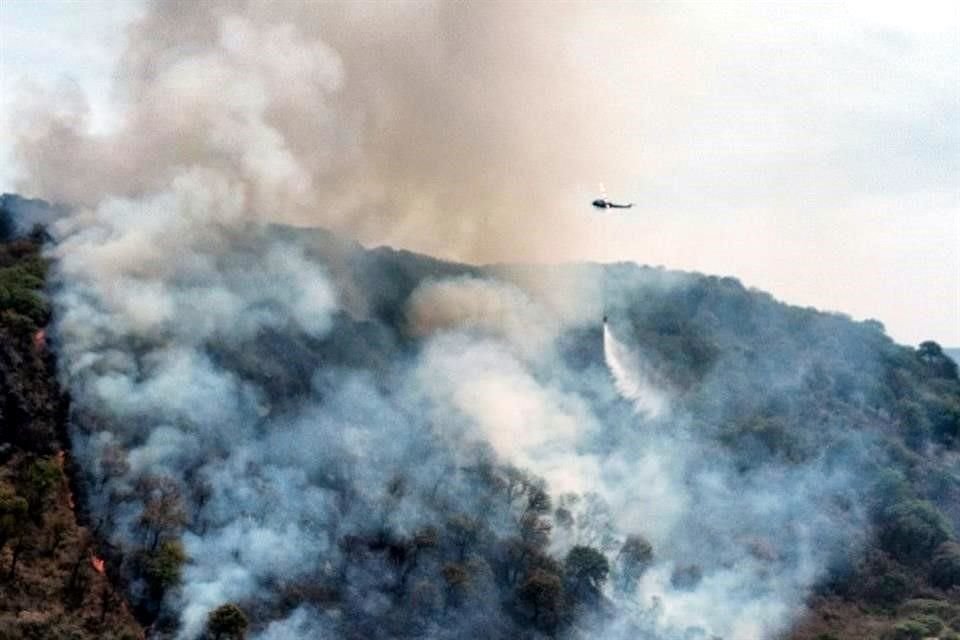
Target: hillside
[
  {"x": 317, "y": 440},
  {"x": 51, "y": 585}
]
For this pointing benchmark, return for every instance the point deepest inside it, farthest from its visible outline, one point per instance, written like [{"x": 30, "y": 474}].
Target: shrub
[
  {"x": 913, "y": 529},
  {"x": 227, "y": 621},
  {"x": 162, "y": 567},
  {"x": 945, "y": 571}
]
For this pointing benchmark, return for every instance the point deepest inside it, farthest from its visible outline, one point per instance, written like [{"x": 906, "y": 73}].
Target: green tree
[
  {"x": 586, "y": 571},
  {"x": 913, "y": 529},
  {"x": 227, "y": 622},
  {"x": 908, "y": 630},
  {"x": 17, "y": 289},
  {"x": 945, "y": 569},
  {"x": 941, "y": 365},
  {"x": 37, "y": 484},
  {"x": 914, "y": 424},
  {"x": 917, "y": 627},
  {"x": 542, "y": 593},
  {"x": 13, "y": 516},
  {"x": 162, "y": 567},
  {"x": 890, "y": 488},
  {"x": 943, "y": 415}
]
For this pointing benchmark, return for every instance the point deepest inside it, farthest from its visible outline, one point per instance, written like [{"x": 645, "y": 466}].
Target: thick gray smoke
[
  {"x": 297, "y": 392},
  {"x": 168, "y": 325},
  {"x": 446, "y": 127},
  {"x": 164, "y": 326}
]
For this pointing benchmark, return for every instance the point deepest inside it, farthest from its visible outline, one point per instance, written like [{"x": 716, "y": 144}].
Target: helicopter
[
  {"x": 600, "y": 203},
  {"x": 603, "y": 203}
]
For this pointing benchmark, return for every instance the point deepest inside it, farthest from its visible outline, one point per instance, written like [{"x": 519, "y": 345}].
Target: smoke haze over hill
[
  {"x": 378, "y": 444},
  {"x": 283, "y": 416}
]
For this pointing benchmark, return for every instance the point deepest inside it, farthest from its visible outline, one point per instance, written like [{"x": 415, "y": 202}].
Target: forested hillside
[
  {"x": 295, "y": 437},
  {"x": 52, "y": 584}
]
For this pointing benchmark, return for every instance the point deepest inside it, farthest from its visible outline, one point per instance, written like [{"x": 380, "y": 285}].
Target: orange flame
[{"x": 98, "y": 564}]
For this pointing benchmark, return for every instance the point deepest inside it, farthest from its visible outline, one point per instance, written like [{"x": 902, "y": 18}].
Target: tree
[
  {"x": 58, "y": 526},
  {"x": 564, "y": 518},
  {"x": 227, "y": 621},
  {"x": 917, "y": 627},
  {"x": 635, "y": 556},
  {"x": 908, "y": 630},
  {"x": 529, "y": 501},
  {"x": 913, "y": 529},
  {"x": 595, "y": 523},
  {"x": 162, "y": 567},
  {"x": 943, "y": 415},
  {"x": 914, "y": 424},
  {"x": 163, "y": 512},
  {"x": 542, "y": 592},
  {"x": 13, "y": 516},
  {"x": 931, "y": 354},
  {"x": 23, "y": 544},
  {"x": 586, "y": 570},
  {"x": 929, "y": 350},
  {"x": 39, "y": 480},
  {"x": 108, "y": 601},
  {"x": 945, "y": 571},
  {"x": 890, "y": 488},
  {"x": 535, "y": 530},
  {"x": 77, "y": 582}
]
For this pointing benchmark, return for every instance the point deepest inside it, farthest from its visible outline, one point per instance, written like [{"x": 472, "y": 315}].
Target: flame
[
  {"x": 40, "y": 339},
  {"x": 98, "y": 564}
]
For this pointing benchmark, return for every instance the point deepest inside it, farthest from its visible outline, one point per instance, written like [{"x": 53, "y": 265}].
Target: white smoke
[
  {"x": 633, "y": 380},
  {"x": 496, "y": 308},
  {"x": 147, "y": 349},
  {"x": 526, "y": 418},
  {"x": 145, "y": 311},
  {"x": 221, "y": 354}
]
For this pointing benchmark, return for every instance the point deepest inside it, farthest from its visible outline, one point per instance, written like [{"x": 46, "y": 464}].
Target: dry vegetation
[{"x": 51, "y": 585}]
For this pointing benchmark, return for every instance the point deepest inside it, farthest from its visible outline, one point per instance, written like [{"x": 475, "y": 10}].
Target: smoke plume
[
  {"x": 293, "y": 394},
  {"x": 435, "y": 125}
]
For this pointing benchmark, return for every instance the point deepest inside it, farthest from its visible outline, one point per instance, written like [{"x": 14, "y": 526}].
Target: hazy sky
[{"x": 812, "y": 150}]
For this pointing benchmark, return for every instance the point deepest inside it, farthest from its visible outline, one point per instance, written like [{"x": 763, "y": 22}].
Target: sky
[{"x": 810, "y": 149}]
